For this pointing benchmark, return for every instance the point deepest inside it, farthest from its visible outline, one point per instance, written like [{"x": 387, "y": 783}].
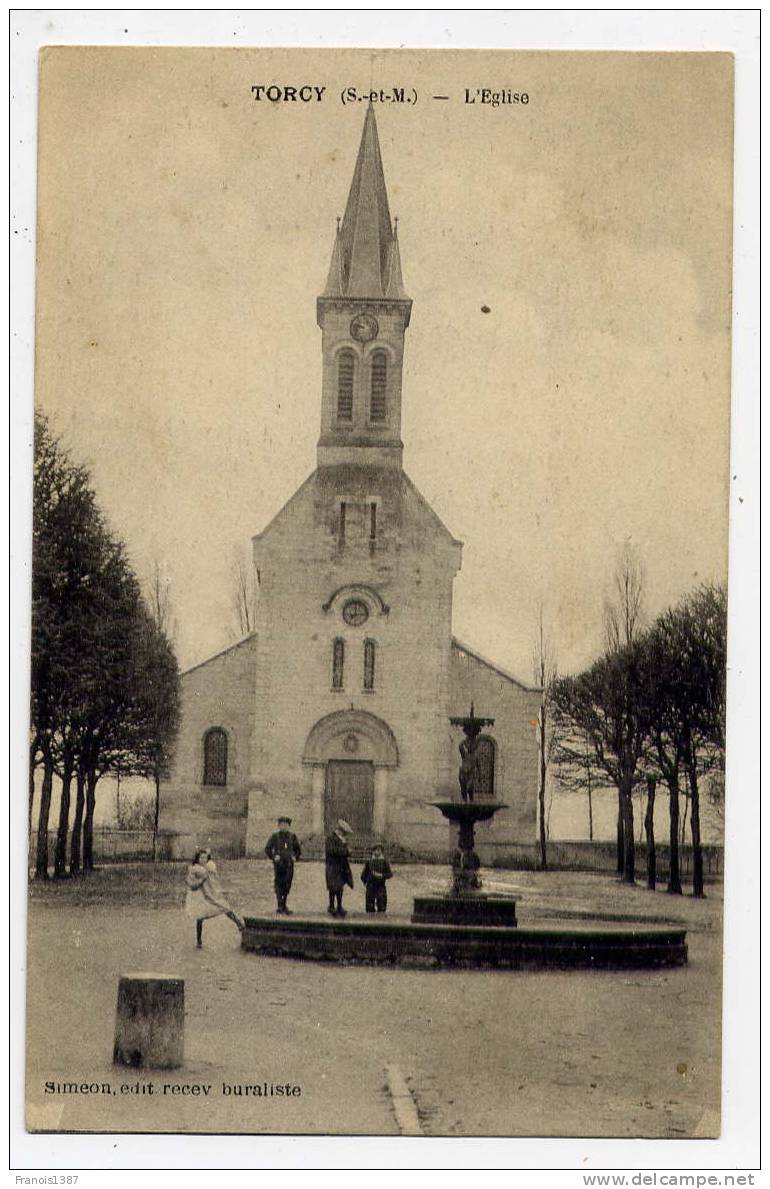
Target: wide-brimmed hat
[
  {"x": 344, "y": 826},
  {"x": 284, "y": 818}
]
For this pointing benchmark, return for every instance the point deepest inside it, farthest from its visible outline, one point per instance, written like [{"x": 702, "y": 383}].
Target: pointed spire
[
  {"x": 334, "y": 279},
  {"x": 365, "y": 260},
  {"x": 395, "y": 283}
]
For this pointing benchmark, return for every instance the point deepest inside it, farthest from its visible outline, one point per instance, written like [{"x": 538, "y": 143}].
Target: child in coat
[
  {"x": 338, "y": 873},
  {"x": 376, "y": 871}
]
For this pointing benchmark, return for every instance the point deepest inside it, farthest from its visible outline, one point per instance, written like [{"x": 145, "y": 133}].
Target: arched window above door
[
  {"x": 338, "y": 664},
  {"x": 370, "y": 650}
]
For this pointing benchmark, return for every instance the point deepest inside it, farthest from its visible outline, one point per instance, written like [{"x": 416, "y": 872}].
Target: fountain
[
  {"x": 465, "y": 903},
  {"x": 466, "y": 926}
]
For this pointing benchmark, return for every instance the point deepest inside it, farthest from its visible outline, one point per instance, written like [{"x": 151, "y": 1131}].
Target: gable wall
[
  {"x": 411, "y": 566},
  {"x": 514, "y": 708},
  {"x": 218, "y": 693}
]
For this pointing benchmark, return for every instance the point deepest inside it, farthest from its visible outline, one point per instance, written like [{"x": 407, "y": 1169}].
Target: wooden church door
[{"x": 350, "y": 795}]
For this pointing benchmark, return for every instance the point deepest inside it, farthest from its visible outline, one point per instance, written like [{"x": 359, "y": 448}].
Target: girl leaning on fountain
[{"x": 205, "y": 897}]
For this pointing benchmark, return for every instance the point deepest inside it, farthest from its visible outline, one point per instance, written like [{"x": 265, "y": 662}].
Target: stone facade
[
  {"x": 219, "y": 694},
  {"x": 338, "y": 705}
]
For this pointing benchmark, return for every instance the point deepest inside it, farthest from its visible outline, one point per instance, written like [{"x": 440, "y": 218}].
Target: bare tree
[
  {"x": 686, "y": 665},
  {"x": 574, "y": 764},
  {"x": 544, "y": 669},
  {"x": 624, "y": 606},
  {"x": 606, "y": 704},
  {"x": 623, "y": 623},
  {"x": 157, "y": 597},
  {"x": 244, "y": 592}
]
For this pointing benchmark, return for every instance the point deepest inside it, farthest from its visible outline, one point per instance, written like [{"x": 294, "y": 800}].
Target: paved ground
[{"x": 483, "y": 1052}]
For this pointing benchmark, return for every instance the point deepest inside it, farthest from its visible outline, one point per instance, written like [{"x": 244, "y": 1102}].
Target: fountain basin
[
  {"x": 393, "y": 942},
  {"x": 472, "y": 908},
  {"x": 469, "y": 812}
]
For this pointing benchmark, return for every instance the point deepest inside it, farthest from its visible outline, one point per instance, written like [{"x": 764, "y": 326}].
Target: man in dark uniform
[{"x": 283, "y": 848}]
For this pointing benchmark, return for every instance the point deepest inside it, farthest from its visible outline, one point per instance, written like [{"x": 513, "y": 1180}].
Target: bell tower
[{"x": 363, "y": 314}]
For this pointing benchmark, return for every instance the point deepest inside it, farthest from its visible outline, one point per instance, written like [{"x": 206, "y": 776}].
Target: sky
[{"x": 185, "y": 231}]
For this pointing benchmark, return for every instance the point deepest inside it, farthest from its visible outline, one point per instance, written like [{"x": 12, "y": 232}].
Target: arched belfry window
[
  {"x": 378, "y": 402},
  {"x": 345, "y": 369},
  {"x": 338, "y": 664},
  {"x": 370, "y": 650},
  {"x": 215, "y": 757},
  {"x": 487, "y": 749}
]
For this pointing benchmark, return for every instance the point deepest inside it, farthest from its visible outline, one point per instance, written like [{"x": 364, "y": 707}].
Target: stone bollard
[{"x": 149, "y": 1022}]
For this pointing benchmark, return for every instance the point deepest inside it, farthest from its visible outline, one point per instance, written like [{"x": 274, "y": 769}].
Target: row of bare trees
[
  {"x": 104, "y": 692},
  {"x": 649, "y": 712}
]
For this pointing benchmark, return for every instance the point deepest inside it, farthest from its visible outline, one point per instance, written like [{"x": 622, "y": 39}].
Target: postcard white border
[{"x": 726, "y": 30}]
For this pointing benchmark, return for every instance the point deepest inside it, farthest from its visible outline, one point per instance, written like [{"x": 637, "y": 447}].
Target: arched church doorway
[
  {"x": 351, "y": 753},
  {"x": 349, "y": 794}
]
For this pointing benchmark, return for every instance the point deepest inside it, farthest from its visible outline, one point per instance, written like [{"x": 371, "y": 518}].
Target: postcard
[{"x": 379, "y": 590}]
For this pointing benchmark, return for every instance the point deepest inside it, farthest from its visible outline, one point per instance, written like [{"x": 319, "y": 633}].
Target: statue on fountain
[
  {"x": 465, "y": 903},
  {"x": 470, "y": 772},
  {"x": 471, "y": 775}
]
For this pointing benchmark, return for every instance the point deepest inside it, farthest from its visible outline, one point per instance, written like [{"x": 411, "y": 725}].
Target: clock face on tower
[{"x": 364, "y": 328}]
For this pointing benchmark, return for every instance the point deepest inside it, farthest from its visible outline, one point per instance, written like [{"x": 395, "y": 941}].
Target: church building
[{"x": 338, "y": 704}]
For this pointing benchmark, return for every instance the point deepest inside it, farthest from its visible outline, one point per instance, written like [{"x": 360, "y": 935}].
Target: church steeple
[
  {"x": 363, "y": 313},
  {"x": 364, "y": 250}
]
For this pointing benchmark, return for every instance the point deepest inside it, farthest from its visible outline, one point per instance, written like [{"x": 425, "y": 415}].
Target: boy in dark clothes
[
  {"x": 376, "y": 871},
  {"x": 283, "y": 848}
]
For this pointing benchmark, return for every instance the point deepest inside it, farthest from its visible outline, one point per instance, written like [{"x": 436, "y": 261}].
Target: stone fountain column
[{"x": 465, "y": 903}]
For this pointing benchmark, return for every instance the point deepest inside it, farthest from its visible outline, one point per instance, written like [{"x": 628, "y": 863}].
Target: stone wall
[
  {"x": 405, "y": 578},
  {"x": 514, "y": 706},
  {"x": 601, "y": 856},
  {"x": 218, "y": 693}
]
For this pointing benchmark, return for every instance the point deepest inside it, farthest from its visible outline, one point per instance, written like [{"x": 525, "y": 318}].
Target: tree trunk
[
  {"x": 156, "y": 818},
  {"x": 541, "y": 792},
  {"x": 620, "y": 838},
  {"x": 590, "y": 812},
  {"x": 88, "y": 821},
  {"x": 41, "y": 857},
  {"x": 34, "y": 747},
  {"x": 697, "y": 851},
  {"x": 684, "y": 819},
  {"x": 649, "y": 830},
  {"x": 674, "y": 876},
  {"x": 629, "y": 856},
  {"x": 76, "y": 838},
  {"x": 60, "y": 856}
]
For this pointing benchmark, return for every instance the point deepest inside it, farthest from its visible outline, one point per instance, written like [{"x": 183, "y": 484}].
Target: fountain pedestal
[{"x": 464, "y": 903}]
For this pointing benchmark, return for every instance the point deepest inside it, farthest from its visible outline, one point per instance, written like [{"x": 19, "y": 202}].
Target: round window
[{"x": 355, "y": 612}]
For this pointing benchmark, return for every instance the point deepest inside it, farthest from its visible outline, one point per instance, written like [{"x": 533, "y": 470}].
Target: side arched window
[
  {"x": 345, "y": 370},
  {"x": 486, "y": 769},
  {"x": 378, "y": 402},
  {"x": 215, "y": 757},
  {"x": 338, "y": 664},
  {"x": 370, "y": 649}
]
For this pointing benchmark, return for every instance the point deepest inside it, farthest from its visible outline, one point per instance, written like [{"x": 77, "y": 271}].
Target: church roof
[
  {"x": 250, "y": 637},
  {"x": 458, "y": 646},
  {"x": 394, "y": 485},
  {"x": 365, "y": 259}
]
